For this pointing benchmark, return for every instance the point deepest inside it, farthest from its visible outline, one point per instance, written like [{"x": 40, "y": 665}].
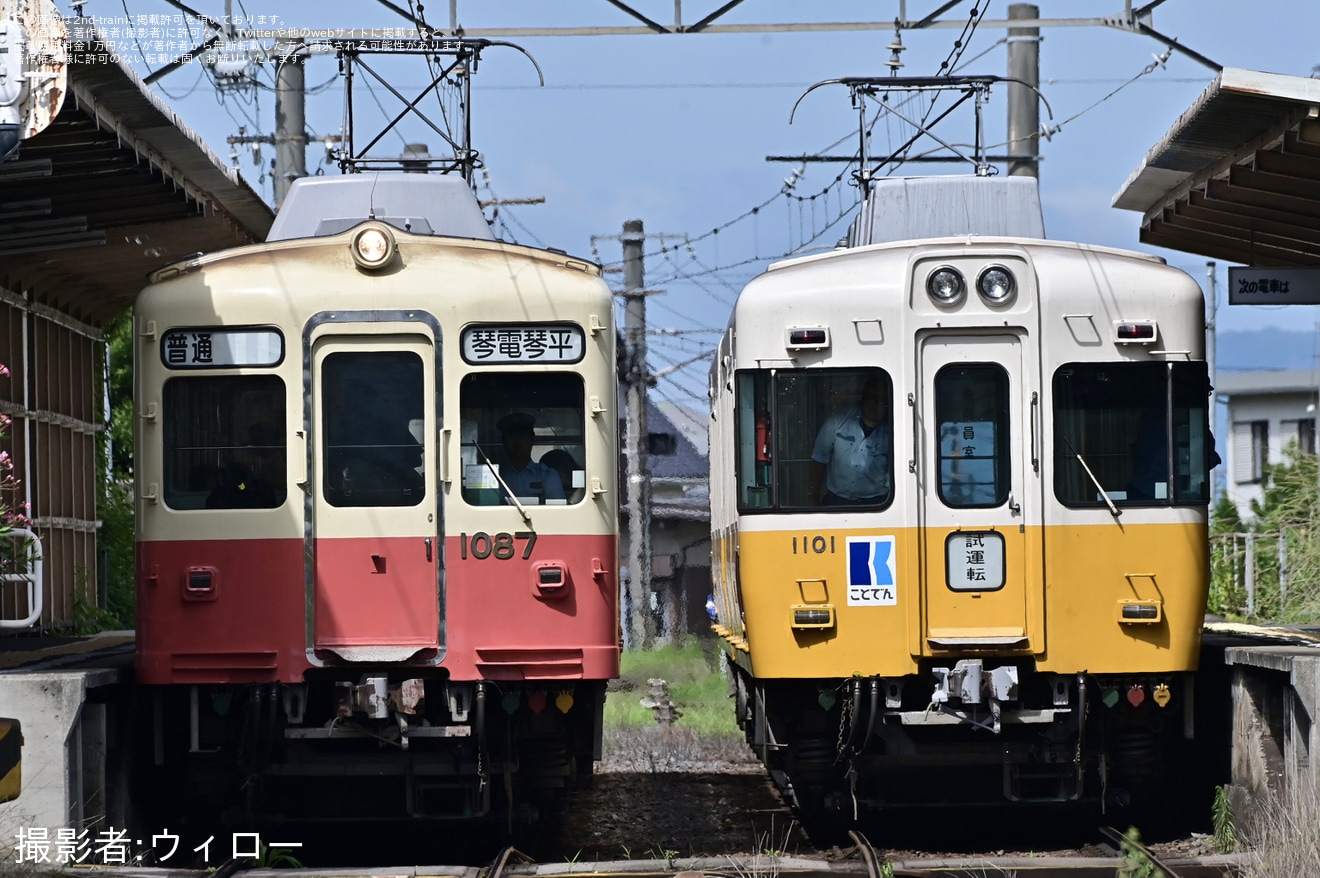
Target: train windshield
[
  {"x": 814, "y": 438},
  {"x": 1138, "y": 432},
  {"x": 372, "y": 426},
  {"x": 224, "y": 442},
  {"x": 523, "y": 434}
]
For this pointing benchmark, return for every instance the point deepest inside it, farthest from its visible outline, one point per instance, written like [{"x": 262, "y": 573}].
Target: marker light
[
  {"x": 1135, "y": 332},
  {"x": 996, "y": 284},
  {"x": 808, "y": 338},
  {"x": 946, "y": 285},
  {"x": 372, "y": 247},
  {"x": 550, "y": 579}
]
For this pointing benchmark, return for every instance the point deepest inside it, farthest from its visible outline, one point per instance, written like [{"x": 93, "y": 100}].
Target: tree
[{"x": 115, "y": 475}]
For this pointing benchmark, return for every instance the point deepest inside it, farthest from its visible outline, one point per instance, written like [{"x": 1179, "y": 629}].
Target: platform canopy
[
  {"x": 114, "y": 188},
  {"x": 1237, "y": 177}
]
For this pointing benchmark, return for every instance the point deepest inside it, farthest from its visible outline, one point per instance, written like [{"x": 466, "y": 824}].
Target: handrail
[{"x": 32, "y": 577}]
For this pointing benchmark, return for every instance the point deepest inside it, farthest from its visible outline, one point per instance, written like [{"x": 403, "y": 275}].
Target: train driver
[
  {"x": 851, "y": 455},
  {"x": 526, "y": 478}
]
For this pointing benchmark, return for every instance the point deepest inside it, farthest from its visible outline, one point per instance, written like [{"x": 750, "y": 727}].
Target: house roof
[
  {"x": 113, "y": 189},
  {"x": 687, "y": 466},
  {"x": 1237, "y": 177},
  {"x": 1262, "y": 383}
]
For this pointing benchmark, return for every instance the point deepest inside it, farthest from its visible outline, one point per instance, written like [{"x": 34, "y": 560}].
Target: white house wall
[{"x": 1281, "y": 412}]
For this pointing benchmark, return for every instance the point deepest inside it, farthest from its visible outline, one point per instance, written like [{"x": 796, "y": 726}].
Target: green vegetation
[
  {"x": 697, "y": 684},
  {"x": 1284, "y": 562},
  {"x": 1132, "y": 858},
  {"x": 114, "y": 466},
  {"x": 1225, "y": 825}
]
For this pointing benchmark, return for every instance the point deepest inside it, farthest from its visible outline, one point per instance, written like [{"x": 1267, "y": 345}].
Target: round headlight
[
  {"x": 996, "y": 284},
  {"x": 372, "y": 247},
  {"x": 946, "y": 285}
]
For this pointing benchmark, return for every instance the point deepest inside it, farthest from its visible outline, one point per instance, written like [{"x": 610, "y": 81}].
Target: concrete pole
[
  {"x": 638, "y": 592},
  {"x": 1210, "y": 299},
  {"x": 1023, "y": 102},
  {"x": 290, "y": 117}
]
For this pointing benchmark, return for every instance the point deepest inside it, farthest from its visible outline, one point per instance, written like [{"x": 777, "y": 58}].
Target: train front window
[
  {"x": 814, "y": 438},
  {"x": 522, "y": 434},
  {"x": 1136, "y": 433},
  {"x": 224, "y": 442},
  {"x": 372, "y": 427},
  {"x": 971, "y": 410}
]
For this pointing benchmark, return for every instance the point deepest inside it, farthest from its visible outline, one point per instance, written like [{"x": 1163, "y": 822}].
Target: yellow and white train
[{"x": 987, "y": 583}]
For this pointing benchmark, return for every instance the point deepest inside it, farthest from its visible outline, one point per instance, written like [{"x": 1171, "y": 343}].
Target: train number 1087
[{"x": 500, "y": 546}]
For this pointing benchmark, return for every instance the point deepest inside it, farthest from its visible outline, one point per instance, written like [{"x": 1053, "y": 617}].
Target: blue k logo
[{"x": 871, "y": 572}]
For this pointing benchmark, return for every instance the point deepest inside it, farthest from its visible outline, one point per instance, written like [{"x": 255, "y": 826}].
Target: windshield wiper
[{"x": 1104, "y": 495}]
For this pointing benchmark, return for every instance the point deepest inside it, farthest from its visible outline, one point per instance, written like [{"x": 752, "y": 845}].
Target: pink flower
[{"x": 4, "y": 371}]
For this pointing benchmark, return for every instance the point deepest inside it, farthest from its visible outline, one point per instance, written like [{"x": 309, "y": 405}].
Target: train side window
[
  {"x": 1138, "y": 432},
  {"x": 522, "y": 433},
  {"x": 971, "y": 408},
  {"x": 814, "y": 437},
  {"x": 372, "y": 423},
  {"x": 755, "y": 473},
  {"x": 225, "y": 442}
]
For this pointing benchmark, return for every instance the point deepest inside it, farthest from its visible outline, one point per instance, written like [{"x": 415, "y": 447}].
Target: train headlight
[
  {"x": 372, "y": 247},
  {"x": 811, "y": 616},
  {"x": 1140, "y": 612},
  {"x": 946, "y": 285},
  {"x": 996, "y": 284}
]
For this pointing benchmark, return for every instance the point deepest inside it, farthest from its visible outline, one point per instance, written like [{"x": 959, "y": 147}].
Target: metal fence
[{"x": 1270, "y": 575}]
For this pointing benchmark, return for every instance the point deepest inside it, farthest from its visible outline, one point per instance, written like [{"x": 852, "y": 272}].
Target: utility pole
[
  {"x": 1023, "y": 101},
  {"x": 638, "y": 589},
  {"x": 290, "y": 116},
  {"x": 1211, "y": 297}
]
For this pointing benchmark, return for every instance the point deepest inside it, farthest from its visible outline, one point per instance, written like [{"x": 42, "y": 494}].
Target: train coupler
[{"x": 377, "y": 697}]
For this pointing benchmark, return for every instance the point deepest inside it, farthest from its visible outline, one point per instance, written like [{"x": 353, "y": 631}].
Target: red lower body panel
[{"x": 217, "y": 611}]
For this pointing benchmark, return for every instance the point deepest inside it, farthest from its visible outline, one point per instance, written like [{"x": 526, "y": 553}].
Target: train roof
[
  {"x": 912, "y": 208},
  {"x": 423, "y": 204},
  {"x": 1038, "y": 244}
]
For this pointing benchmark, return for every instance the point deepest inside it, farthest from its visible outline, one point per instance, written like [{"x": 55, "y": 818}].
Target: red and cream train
[{"x": 352, "y": 600}]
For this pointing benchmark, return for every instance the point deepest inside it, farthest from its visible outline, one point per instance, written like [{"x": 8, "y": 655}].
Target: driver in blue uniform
[{"x": 527, "y": 479}]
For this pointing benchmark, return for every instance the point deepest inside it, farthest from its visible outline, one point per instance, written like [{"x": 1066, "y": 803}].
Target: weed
[
  {"x": 1225, "y": 825},
  {"x": 1285, "y": 833},
  {"x": 1133, "y": 860},
  {"x": 765, "y": 845},
  {"x": 275, "y": 859},
  {"x": 666, "y": 854}
]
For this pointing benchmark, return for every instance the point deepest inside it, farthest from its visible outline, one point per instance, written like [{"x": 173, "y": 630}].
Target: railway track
[{"x": 861, "y": 859}]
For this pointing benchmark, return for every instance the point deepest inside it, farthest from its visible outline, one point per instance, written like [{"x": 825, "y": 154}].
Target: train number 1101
[{"x": 500, "y": 546}]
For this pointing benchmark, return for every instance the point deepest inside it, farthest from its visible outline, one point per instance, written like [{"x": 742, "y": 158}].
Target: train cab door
[
  {"x": 374, "y": 534},
  {"x": 981, "y": 580}
]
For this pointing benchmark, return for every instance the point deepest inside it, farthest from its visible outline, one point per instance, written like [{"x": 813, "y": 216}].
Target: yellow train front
[
  {"x": 377, "y": 534},
  {"x": 959, "y": 507}
]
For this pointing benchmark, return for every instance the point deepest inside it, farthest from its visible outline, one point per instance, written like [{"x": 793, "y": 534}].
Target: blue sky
[{"x": 674, "y": 130}]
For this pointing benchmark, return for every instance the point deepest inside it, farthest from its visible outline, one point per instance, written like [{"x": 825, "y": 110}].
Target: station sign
[{"x": 1249, "y": 285}]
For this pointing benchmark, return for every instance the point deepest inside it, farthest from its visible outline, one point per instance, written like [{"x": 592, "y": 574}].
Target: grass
[
  {"x": 698, "y": 686},
  {"x": 705, "y": 736},
  {"x": 1285, "y": 834}
]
